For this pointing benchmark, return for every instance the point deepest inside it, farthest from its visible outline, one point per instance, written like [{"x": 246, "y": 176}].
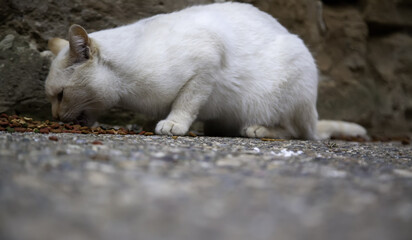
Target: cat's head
[{"x": 74, "y": 85}]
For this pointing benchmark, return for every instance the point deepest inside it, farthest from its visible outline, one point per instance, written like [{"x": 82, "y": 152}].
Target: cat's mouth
[{"x": 82, "y": 119}]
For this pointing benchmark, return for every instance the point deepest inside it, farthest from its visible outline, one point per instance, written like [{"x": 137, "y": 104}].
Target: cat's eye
[{"x": 60, "y": 96}]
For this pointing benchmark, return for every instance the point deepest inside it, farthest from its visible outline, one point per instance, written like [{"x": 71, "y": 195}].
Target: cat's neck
[
  {"x": 123, "y": 74},
  {"x": 121, "y": 84}
]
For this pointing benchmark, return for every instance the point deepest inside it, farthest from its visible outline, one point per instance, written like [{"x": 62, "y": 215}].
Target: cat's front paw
[{"x": 167, "y": 127}]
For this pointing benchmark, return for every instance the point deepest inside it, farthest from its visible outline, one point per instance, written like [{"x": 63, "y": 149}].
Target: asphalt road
[{"x": 157, "y": 187}]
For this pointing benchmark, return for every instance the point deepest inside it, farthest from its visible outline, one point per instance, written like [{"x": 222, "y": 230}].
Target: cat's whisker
[{"x": 80, "y": 107}]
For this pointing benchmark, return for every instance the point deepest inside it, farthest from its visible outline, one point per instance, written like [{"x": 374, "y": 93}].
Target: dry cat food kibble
[
  {"x": 97, "y": 143},
  {"x": 53, "y": 138},
  {"x": 16, "y": 123}
]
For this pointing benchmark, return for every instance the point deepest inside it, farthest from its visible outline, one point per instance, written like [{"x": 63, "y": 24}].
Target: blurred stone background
[{"x": 363, "y": 49}]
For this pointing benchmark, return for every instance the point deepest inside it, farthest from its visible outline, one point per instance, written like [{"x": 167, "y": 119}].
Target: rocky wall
[{"x": 363, "y": 49}]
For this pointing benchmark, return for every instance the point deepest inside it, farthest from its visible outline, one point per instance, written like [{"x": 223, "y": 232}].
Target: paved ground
[{"x": 153, "y": 187}]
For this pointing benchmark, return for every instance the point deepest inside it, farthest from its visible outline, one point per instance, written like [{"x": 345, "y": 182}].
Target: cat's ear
[
  {"x": 79, "y": 44},
  {"x": 56, "y": 45}
]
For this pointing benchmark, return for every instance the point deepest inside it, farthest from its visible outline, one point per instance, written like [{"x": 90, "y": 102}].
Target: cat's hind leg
[{"x": 259, "y": 131}]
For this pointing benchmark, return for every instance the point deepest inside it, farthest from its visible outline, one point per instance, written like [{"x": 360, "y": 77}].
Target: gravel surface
[{"x": 73, "y": 186}]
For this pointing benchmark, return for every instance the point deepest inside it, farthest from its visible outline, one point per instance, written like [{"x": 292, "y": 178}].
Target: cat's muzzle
[{"x": 82, "y": 119}]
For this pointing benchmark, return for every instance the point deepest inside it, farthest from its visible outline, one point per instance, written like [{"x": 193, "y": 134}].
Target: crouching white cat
[{"x": 227, "y": 64}]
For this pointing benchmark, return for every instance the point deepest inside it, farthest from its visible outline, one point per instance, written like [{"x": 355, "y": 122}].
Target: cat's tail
[{"x": 330, "y": 128}]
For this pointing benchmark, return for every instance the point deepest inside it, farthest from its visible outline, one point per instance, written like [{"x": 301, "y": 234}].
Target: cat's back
[
  {"x": 228, "y": 22},
  {"x": 219, "y": 18},
  {"x": 229, "y": 16}
]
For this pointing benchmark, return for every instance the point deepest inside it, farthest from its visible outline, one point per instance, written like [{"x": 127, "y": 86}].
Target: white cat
[{"x": 227, "y": 64}]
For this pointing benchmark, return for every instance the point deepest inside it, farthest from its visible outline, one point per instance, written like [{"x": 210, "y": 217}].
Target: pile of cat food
[{"x": 16, "y": 123}]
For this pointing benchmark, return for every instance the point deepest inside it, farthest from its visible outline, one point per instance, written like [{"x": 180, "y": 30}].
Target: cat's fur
[{"x": 228, "y": 64}]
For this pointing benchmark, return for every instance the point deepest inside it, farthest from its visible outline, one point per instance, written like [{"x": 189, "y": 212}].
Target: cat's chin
[{"x": 84, "y": 120}]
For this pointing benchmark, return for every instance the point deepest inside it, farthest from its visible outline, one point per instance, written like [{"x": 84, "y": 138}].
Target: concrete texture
[{"x": 157, "y": 187}]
